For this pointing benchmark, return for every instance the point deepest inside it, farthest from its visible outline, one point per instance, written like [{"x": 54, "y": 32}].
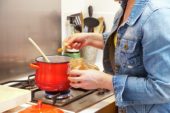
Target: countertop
[{"x": 102, "y": 105}]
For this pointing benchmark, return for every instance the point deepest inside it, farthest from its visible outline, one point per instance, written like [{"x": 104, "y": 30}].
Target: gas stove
[{"x": 74, "y": 100}]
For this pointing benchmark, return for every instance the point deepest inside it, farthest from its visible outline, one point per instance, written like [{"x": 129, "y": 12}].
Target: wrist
[
  {"x": 106, "y": 82},
  {"x": 88, "y": 38}
]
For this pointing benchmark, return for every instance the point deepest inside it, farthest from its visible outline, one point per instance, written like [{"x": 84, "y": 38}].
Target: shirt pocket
[
  {"x": 127, "y": 46},
  {"x": 130, "y": 53}
]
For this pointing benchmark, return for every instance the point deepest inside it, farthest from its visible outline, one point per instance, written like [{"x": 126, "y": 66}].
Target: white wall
[{"x": 105, "y": 8}]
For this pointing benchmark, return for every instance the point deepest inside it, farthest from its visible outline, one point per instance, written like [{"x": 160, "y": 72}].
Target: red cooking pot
[{"x": 52, "y": 76}]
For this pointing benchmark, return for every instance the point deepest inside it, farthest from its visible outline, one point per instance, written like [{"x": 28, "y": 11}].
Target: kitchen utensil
[
  {"x": 89, "y": 54},
  {"x": 77, "y": 23},
  {"x": 52, "y": 76},
  {"x": 42, "y": 108},
  {"x": 82, "y": 21},
  {"x": 91, "y": 22},
  {"x": 12, "y": 97},
  {"x": 78, "y": 28},
  {"x": 75, "y": 20},
  {"x": 38, "y": 48},
  {"x": 87, "y": 51},
  {"x": 101, "y": 27}
]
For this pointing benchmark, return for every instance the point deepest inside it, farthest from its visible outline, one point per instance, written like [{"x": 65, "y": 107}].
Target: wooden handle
[
  {"x": 37, "y": 47},
  {"x": 34, "y": 66},
  {"x": 90, "y": 10}
]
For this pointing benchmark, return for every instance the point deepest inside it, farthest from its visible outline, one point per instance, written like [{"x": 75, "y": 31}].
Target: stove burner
[
  {"x": 22, "y": 84},
  {"x": 57, "y": 95},
  {"x": 68, "y": 100}
]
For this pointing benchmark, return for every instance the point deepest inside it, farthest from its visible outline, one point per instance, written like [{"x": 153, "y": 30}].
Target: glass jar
[{"x": 73, "y": 53}]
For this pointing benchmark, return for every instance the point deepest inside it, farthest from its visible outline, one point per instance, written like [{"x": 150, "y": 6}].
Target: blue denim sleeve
[
  {"x": 155, "y": 88},
  {"x": 119, "y": 85}
]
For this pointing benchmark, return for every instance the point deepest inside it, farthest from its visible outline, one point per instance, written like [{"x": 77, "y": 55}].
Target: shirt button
[{"x": 126, "y": 46}]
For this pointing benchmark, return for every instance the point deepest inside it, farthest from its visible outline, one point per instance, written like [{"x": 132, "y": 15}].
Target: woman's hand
[
  {"x": 79, "y": 40},
  {"x": 90, "y": 79}
]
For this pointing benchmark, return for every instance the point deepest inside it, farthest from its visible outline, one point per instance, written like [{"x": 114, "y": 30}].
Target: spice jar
[{"x": 73, "y": 53}]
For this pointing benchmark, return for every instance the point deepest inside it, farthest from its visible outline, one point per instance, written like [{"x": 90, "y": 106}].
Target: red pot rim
[{"x": 58, "y": 59}]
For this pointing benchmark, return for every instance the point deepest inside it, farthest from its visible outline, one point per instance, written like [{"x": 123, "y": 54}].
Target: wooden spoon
[{"x": 38, "y": 48}]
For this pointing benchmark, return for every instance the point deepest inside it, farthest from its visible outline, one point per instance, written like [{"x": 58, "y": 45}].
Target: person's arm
[
  {"x": 90, "y": 79},
  {"x": 96, "y": 40},
  {"x": 79, "y": 40},
  {"x": 155, "y": 88}
]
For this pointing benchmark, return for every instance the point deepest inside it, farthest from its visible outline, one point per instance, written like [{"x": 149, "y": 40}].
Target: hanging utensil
[
  {"x": 101, "y": 27},
  {"x": 78, "y": 28},
  {"x": 38, "y": 48},
  {"x": 77, "y": 23},
  {"x": 90, "y": 22}
]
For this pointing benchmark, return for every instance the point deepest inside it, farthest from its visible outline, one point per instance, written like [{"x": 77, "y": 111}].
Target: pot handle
[{"x": 34, "y": 66}]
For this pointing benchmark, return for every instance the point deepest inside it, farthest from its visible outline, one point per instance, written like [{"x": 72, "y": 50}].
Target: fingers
[
  {"x": 77, "y": 82},
  {"x": 75, "y": 79},
  {"x": 76, "y": 85},
  {"x": 75, "y": 41},
  {"x": 75, "y": 72},
  {"x": 76, "y": 45},
  {"x": 70, "y": 39},
  {"x": 69, "y": 42},
  {"x": 82, "y": 85}
]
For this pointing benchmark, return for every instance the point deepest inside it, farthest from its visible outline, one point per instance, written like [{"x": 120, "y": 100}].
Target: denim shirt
[{"x": 142, "y": 56}]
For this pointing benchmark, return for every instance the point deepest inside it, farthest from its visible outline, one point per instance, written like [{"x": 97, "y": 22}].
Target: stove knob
[{"x": 101, "y": 92}]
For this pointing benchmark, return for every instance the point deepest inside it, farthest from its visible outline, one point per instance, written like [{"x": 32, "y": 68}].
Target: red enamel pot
[{"x": 52, "y": 76}]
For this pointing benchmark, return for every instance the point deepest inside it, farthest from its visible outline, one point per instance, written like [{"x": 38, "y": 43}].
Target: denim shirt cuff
[{"x": 119, "y": 82}]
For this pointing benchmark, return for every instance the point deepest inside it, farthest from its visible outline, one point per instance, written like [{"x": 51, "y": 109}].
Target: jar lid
[
  {"x": 72, "y": 50},
  {"x": 42, "y": 108}
]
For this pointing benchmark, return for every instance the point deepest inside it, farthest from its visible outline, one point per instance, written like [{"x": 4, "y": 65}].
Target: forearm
[{"x": 96, "y": 40}]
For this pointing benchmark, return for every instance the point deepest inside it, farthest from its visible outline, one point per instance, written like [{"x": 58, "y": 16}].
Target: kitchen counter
[
  {"x": 101, "y": 107},
  {"x": 104, "y": 106}
]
